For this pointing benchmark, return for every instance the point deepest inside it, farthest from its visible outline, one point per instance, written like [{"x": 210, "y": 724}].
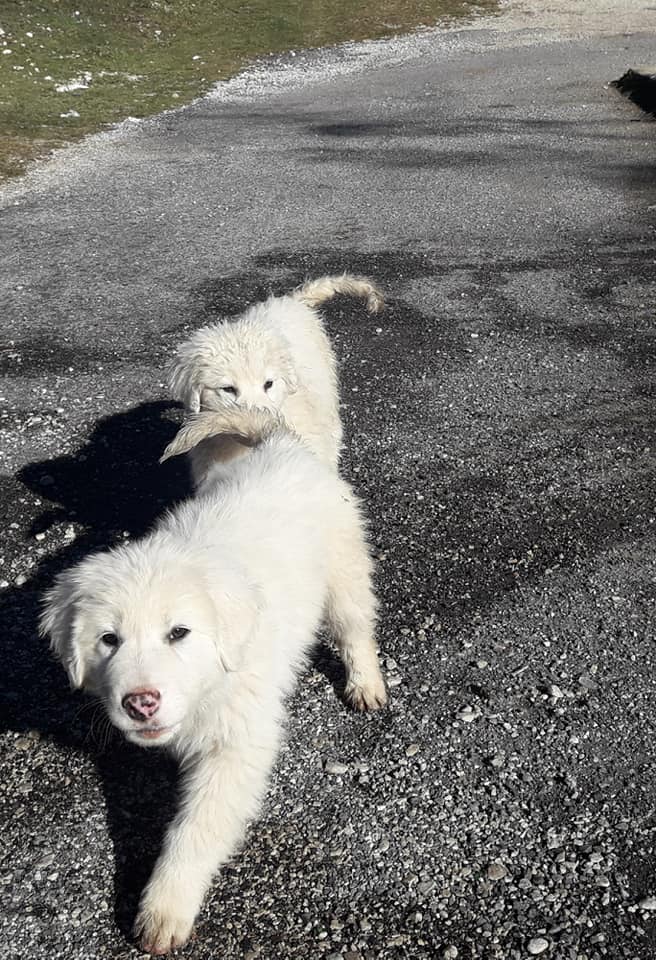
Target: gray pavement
[{"x": 500, "y": 427}]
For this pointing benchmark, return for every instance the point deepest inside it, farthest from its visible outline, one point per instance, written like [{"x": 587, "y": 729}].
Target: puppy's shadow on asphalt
[
  {"x": 326, "y": 661},
  {"x": 111, "y": 488}
]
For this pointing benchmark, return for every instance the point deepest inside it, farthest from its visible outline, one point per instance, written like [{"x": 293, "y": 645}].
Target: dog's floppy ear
[
  {"x": 238, "y": 606},
  {"x": 60, "y": 620},
  {"x": 192, "y": 399},
  {"x": 183, "y": 385}
]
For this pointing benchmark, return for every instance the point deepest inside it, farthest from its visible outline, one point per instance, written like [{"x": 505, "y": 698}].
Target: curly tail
[
  {"x": 248, "y": 426},
  {"x": 316, "y": 292}
]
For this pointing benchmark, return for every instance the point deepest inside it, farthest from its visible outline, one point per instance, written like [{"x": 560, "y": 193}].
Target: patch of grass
[{"x": 67, "y": 68}]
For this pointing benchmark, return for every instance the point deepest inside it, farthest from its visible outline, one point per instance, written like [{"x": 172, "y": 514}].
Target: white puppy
[
  {"x": 192, "y": 637},
  {"x": 276, "y": 356}
]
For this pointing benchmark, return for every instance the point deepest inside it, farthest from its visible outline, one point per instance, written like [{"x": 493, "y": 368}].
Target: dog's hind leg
[{"x": 351, "y": 612}]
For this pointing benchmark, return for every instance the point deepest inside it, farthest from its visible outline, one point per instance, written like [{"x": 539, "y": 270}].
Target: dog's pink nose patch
[{"x": 141, "y": 704}]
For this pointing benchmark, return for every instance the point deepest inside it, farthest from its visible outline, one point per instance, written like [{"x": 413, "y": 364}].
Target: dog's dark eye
[
  {"x": 110, "y": 639},
  {"x": 268, "y": 384},
  {"x": 232, "y": 390},
  {"x": 178, "y": 633}
]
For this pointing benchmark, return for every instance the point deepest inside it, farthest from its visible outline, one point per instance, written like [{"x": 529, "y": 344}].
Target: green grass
[{"x": 138, "y": 57}]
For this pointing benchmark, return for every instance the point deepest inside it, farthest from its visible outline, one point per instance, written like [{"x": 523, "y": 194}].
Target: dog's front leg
[{"x": 221, "y": 791}]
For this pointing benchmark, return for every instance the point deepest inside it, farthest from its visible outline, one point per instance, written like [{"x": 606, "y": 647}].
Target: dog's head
[
  {"x": 233, "y": 363},
  {"x": 151, "y": 635}
]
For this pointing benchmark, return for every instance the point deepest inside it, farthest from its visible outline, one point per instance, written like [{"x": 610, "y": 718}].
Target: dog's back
[
  {"x": 277, "y": 511},
  {"x": 273, "y": 479}
]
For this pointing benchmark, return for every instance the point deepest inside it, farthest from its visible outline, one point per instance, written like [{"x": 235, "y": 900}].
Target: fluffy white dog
[
  {"x": 276, "y": 356},
  {"x": 192, "y": 637}
]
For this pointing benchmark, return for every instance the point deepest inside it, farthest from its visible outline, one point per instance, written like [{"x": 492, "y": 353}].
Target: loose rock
[
  {"x": 496, "y": 871},
  {"x": 335, "y": 768},
  {"x": 537, "y": 945},
  {"x": 467, "y": 714}
]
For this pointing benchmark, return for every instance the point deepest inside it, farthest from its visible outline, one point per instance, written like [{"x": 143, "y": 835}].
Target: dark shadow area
[
  {"x": 595, "y": 320},
  {"x": 372, "y": 128},
  {"x": 44, "y": 352},
  {"x": 497, "y": 527},
  {"x": 497, "y": 118},
  {"x": 114, "y": 482},
  {"x": 41, "y": 353},
  {"x": 503, "y": 135},
  {"x": 112, "y": 485},
  {"x": 386, "y": 267},
  {"x": 140, "y": 790},
  {"x": 608, "y": 270},
  {"x": 279, "y": 271},
  {"x": 639, "y": 88},
  {"x": 325, "y": 660}
]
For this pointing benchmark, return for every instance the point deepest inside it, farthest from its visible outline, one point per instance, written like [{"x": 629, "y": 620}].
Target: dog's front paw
[
  {"x": 163, "y": 924},
  {"x": 369, "y": 695}
]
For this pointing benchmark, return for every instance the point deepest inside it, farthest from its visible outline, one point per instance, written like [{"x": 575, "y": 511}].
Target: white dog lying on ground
[
  {"x": 192, "y": 637},
  {"x": 275, "y": 356}
]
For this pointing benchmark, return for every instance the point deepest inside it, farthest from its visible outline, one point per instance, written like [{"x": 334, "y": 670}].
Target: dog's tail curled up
[
  {"x": 246, "y": 426},
  {"x": 316, "y": 292}
]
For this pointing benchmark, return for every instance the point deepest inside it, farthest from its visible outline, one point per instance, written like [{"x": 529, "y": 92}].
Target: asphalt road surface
[{"x": 500, "y": 428}]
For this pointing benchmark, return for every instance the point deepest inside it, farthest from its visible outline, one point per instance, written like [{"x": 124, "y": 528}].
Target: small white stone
[
  {"x": 649, "y": 903},
  {"x": 467, "y": 714},
  {"x": 496, "y": 871},
  {"x": 537, "y": 945},
  {"x": 450, "y": 952},
  {"x": 335, "y": 768},
  {"x": 45, "y": 861},
  {"x": 412, "y": 749}
]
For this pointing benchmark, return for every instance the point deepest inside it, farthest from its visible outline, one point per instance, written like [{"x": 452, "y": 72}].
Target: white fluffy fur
[
  {"x": 249, "y": 567},
  {"x": 275, "y": 356}
]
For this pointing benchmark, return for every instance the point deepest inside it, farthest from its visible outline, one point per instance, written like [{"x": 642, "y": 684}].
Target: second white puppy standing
[{"x": 276, "y": 356}]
